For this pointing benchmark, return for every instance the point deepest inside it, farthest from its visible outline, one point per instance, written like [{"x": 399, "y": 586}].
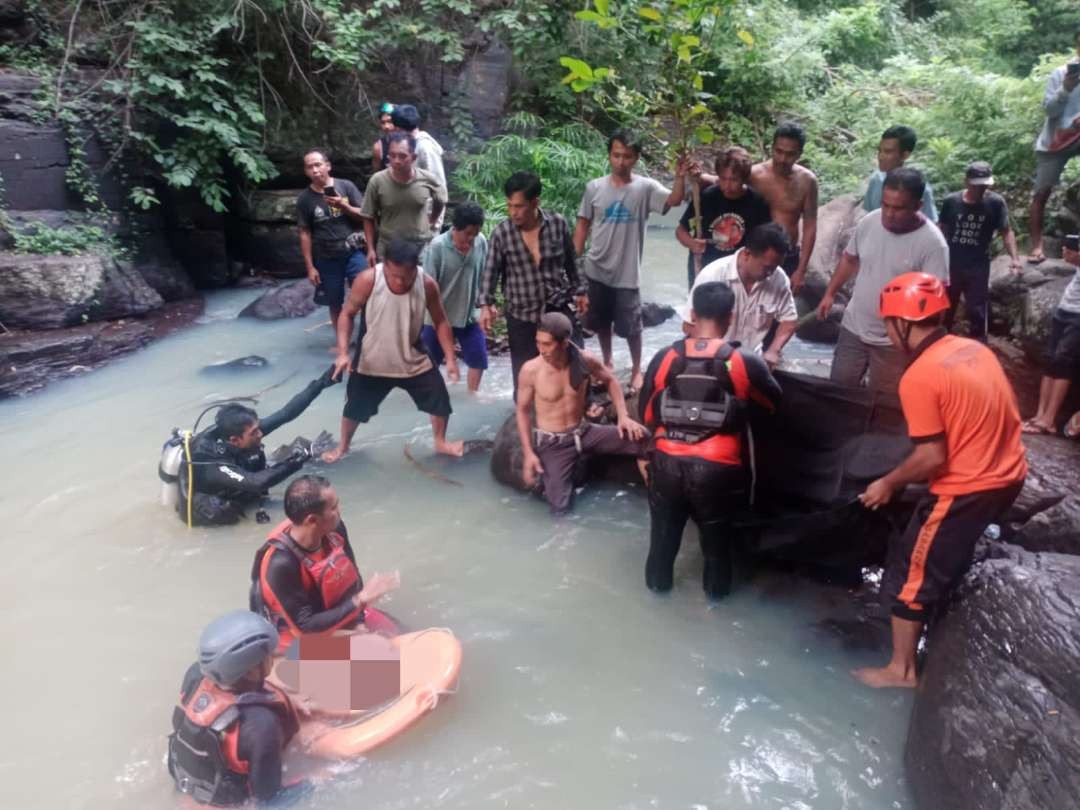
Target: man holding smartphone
[
  {"x": 1058, "y": 143},
  {"x": 328, "y": 214}
]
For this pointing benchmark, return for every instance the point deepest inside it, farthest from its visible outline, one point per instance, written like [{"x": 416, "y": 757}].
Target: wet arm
[
  {"x": 926, "y": 459},
  {"x": 358, "y": 296},
  {"x": 647, "y": 415},
  {"x": 260, "y": 742},
  {"x": 523, "y": 411},
  {"x": 297, "y": 405},
  {"x": 785, "y": 330},
  {"x": 765, "y": 391},
  {"x": 845, "y": 271}
]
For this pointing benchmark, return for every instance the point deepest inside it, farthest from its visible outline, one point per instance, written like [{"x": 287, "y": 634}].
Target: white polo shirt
[{"x": 755, "y": 311}]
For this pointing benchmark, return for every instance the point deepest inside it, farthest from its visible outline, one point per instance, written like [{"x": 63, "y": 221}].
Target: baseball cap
[{"x": 979, "y": 173}]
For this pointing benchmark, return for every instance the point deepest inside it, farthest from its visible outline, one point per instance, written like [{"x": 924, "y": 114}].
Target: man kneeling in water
[
  {"x": 558, "y": 381},
  {"x": 228, "y": 470},
  {"x": 305, "y": 578},
  {"x": 231, "y": 727}
]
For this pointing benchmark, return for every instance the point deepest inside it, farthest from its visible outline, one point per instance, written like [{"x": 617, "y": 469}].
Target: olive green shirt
[{"x": 402, "y": 210}]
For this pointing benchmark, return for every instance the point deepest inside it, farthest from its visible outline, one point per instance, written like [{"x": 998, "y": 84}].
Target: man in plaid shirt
[{"x": 531, "y": 255}]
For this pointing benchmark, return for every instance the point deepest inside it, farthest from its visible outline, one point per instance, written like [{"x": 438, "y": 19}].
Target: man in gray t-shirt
[
  {"x": 615, "y": 209},
  {"x": 895, "y": 239}
]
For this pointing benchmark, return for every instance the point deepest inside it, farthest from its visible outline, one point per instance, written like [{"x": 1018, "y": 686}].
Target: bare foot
[
  {"x": 885, "y": 677},
  {"x": 330, "y": 456},
  {"x": 637, "y": 381},
  {"x": 1034, "y": 426},
  {"x": 456, "y": 449}
]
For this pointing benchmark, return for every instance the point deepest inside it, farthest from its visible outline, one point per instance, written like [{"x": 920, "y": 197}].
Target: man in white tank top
[{"x": 394, "y": 296}]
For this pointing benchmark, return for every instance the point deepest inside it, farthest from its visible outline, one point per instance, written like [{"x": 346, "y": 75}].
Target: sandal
[
  {"x": 1033, "y": 427},
  {"x": 1036, "y": 258},
  {"x": 1072, "y": 427}
]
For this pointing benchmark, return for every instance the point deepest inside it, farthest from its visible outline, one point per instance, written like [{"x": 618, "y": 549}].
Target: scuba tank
[{"x": 172, "y": 457}]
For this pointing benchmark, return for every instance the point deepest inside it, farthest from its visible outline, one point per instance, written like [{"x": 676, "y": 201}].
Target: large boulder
[
  {"x": 835, "y": 223},
  {"x": 996, "y": 722},
  {"x": 1022, "y": 307},
  {"x": 292, "y": 300},
  {"x": 1046, "y": 515},
  {"x": 49, "y": 292},
  {"x": 264, "y": 233},
  {"x": 196, "y": 237}
]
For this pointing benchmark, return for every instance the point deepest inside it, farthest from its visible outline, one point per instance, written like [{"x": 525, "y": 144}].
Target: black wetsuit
[
  {"x": 304, "y": 607},
  {"x": 261, "y": 739},
  {"x": 229, "y": 480}
]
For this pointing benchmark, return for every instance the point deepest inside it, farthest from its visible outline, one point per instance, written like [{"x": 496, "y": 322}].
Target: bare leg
[
  {"x": 637, "y": 380},
  {"x": 474, "y": 379},
  {"x": 1054, "y": 391},
  {"x": 603, "y": 335},
  {"x": 348, "y": 428},
  {"x": 900, "y": 671},
  {"x": 438, "y": 427},
  {"x": 1038, "y": 215}
]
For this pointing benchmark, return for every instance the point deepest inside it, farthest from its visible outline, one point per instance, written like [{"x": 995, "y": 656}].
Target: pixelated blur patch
[{"x": 357, "y": 672}]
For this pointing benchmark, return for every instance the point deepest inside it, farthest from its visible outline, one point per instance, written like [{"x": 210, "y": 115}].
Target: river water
[{"x": 579, "y": 687}]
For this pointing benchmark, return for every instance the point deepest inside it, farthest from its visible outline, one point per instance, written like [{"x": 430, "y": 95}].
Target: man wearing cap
[
  {"x": 964, "y": 423},
  {"x": 1057, "y": 144},
  {"x": 969, "y": 219},
  {"x": 557, "y": 382}
]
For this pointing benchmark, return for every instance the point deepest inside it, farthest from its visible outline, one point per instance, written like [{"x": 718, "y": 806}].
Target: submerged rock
[
  {"x": 653, "y": 314},
  {"x": 996, "y": 722},
  {"x": 292, "y": 300},
  {"x": 239, "y": 364}
]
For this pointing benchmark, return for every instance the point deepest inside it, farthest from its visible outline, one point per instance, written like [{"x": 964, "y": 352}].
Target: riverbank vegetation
[{"x": 197, "y": 93}]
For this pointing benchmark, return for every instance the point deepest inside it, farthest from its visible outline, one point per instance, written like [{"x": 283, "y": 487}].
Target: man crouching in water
[
  {"x": 304, "y": 578},
  {"x": 558, "y": 381},
  {"x": 228, "y": 470},
  {"x": 231, "y": 727}
]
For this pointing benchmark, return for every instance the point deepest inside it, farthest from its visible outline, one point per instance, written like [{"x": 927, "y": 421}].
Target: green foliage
[
  {"x": 72, "y": 241},
  {"x": 565, "y": 158}
]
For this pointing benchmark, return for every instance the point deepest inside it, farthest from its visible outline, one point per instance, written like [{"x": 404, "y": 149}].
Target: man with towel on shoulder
[{"x": 557, "y": 383}]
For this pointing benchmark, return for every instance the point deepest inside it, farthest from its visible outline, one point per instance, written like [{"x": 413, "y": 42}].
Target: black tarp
[{"x": 812, "y": 458}]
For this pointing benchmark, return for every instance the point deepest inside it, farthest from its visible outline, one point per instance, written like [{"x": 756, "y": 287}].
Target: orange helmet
[{"x": 913, "y": 297}]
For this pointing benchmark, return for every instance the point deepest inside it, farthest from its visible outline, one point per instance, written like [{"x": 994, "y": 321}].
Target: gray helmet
[{"x": 234, "y": 644}]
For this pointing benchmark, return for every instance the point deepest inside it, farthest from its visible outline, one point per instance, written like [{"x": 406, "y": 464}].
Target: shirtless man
[
  {"x": 557, "y": 381},
  {"x": 792, "y": 194}
]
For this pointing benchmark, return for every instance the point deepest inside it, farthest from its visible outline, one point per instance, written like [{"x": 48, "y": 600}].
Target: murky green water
[{"x": 579, "y": 688}]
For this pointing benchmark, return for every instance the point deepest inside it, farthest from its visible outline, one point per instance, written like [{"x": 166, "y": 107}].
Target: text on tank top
[{"x": 391, "y": 343}]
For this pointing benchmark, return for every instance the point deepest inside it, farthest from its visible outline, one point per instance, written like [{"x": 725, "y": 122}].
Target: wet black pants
[{"x": 710, "y": 494}]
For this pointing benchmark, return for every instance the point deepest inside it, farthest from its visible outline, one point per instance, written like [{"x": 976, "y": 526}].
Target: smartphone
[
  {"x": 330, "y": 191},
  {"x": 1072, "y": 242}
]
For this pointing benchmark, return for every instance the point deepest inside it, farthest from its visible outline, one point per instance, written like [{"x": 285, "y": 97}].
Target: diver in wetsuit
[
  {"x": 228, "y": 465},
  {"x": 230, "y": 726}
]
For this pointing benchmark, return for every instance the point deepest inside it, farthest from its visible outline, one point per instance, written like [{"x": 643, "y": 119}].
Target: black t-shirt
[
  {"x": 970, "y": 227},
  {"x": 726, "y": 221},
  {"x": 329, "y": 225}
]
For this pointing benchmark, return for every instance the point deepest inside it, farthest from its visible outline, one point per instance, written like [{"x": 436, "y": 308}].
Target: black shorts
[
  {"x": 1063, "y": 356},
  {"x": 937, "y": 546},
  {"x": 616, "y": 306},
  {"x": 365, "y": 393}
]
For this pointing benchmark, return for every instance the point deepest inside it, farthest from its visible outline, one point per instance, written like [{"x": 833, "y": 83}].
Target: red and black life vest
[
  {"x": 203, "y": 756},
  {"x": 700, "y": 399},
  {"x": 327, "y": 572}
]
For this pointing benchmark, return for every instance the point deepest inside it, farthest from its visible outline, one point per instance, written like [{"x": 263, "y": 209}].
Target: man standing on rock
[
  {"x": 1057, "y": 144},
  {"x": 963, "y": 419},
  {"x": 791, "y": 191},
  {"x": 394, "y": 295},
  {"x": 1062, "y": 357},
  {"x": 616, "y": 209},
  {"x": 896, "y": 145},
  {"x": 889, "y": 242},
  {"x": 531, "y": 256},
  {"x": 402, "y": 202},
  {"x": 763, "y": 298},
  {"x": 969, "y": 220},
  {"x": 557, "y": 382},
  {"x": 328, "y": 215}
]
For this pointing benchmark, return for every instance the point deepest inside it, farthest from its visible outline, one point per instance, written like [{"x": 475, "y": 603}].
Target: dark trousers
[
  {"x": 522, "y": 337},
  {"x": 972, "y": 282},
  {"x": 711, "y": 494}
]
